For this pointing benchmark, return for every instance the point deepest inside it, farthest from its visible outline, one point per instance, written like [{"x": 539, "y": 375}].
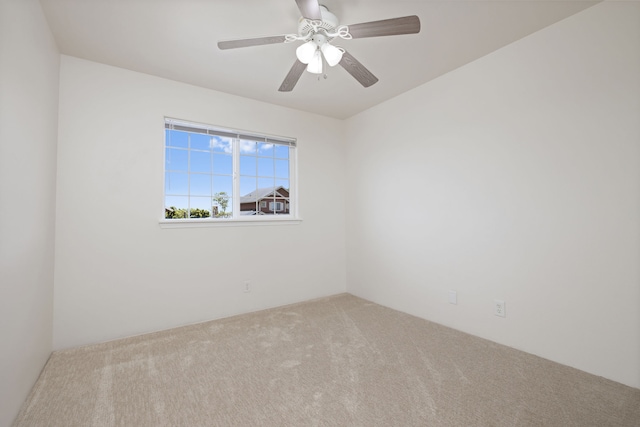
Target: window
[
  {"x": 217, "y": 175},
  {"x": 276, "y": 206}
]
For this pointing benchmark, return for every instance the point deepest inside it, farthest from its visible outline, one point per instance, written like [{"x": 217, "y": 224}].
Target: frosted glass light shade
[
  {"x": 332, "y": 54},
  {"x": 305, "y": 52},
  {"x": 315, "y": 66}
]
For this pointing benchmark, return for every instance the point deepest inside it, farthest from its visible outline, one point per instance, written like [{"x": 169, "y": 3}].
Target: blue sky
[{"x": 197, "y": 166}]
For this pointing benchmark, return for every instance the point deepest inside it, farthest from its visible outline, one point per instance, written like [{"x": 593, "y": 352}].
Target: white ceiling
[{"x": 176, "y": 39}]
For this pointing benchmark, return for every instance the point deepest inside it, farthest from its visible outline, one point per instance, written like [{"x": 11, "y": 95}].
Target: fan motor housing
[{"x": 329, "y": 23}]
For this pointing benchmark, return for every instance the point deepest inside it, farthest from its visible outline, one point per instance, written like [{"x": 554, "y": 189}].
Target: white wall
[
  {"x": 516, "y": 177},
  {"x": 29, "y": 64},
  {"x": 117, "y": 272}
]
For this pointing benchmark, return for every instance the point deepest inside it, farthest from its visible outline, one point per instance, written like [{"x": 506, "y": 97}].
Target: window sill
[{"x": 237, "y": 222}]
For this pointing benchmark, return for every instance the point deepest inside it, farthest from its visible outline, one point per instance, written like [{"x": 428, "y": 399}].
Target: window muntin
[{"x": 220, "y": 174}]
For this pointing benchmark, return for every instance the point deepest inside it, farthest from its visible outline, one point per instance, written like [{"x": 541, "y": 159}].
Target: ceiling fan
[{"x": 318, "y": 28}]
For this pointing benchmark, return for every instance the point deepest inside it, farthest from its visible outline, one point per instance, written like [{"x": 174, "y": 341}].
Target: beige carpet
[{"x": 339, "y": 361}]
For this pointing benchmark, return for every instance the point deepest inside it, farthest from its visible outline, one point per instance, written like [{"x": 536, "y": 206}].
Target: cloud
[
  {"x": 265, "y": 147},
  {"x": 247, "y": 147},
  {"x": 220, "y": 143}
]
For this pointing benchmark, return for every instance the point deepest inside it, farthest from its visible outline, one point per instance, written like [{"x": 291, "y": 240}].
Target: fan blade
[
  {"x": 357, "y": 70},
  {"x": 386, "y": 27},
  {"x": 292, "y": 77},
  {"x": 310, "y": 9},
  {"x": 259, "y": 41}
]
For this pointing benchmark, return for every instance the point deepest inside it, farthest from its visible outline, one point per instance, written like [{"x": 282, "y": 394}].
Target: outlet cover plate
[
  {"x": 453, "y": 297},
  {"x": 499, "y": 307}
]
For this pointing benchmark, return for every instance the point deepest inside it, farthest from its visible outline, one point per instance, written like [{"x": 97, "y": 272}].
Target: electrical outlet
[
  {"x": 453, "y": 297},
  {"x": 247, "y": 286},
  {"x": 499, "y": 307}
]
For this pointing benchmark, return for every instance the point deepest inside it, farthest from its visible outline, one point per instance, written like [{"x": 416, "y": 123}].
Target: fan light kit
[
  {"x": 318, "y": 28},
  {"x": 318, "y": 35}
]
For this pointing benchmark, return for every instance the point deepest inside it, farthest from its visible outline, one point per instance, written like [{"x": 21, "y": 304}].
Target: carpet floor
[{"x": 337, "y": 361}]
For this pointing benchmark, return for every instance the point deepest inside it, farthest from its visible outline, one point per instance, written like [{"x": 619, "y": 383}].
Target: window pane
[
  {"x": 199, "y": 207},
  {"x": 176, "y": 160},
  {"x": 265, "y": 149},
  {"x": 200, "y": 161},
  {"x": 287, "y": 207},
  {"x": 282, "y": 168},
  {"x": 266, "y": 183},
  {"x": 248, "y": 165},
  {"x": 223, "y": 183},
  {"x": 247, "y": 185},
  {"x": 177, "y": 138},
  {"x": 221, "y": 144},
  {"x": 247, "y": 147},
  {"x": 200, "y": 185},
  {"x": 265, "y": 167},
  {"x": 199, "y": 141},
  {"x": 176, "y": 183},
  {"x": 222, "y": 204},
  {"x": 284, "y": 183},
  {"x": 175, "y": 207},
  {"x": 222, "y": 164},
  {"x": 282, "y": 151},
  {"x": 177, "y": 201}
]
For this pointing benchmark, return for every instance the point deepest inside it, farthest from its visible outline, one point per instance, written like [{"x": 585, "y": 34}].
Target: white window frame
[{"x": 237, "y": 219}]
